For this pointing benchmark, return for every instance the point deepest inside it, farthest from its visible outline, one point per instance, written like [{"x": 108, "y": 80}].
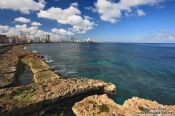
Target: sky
[{"x": 104, "y": 20}]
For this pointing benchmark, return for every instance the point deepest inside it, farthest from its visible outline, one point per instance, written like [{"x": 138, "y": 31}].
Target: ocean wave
[
  {"x": 66, "y": 71},
  {"x": 48, "y": 59},
  {"x": 34, "y": 51}
]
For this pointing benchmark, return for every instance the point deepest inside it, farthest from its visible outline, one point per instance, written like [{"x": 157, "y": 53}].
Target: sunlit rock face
[
  {"x": 110, "y": 89},
  {"x": 101, "y": 105}
]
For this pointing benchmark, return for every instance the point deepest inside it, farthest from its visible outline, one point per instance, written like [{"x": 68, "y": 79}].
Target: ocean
[{"x": 142, "y": 70}]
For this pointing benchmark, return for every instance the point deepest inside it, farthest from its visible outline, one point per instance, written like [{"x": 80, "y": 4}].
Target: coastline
[{"x": 48, "y": 89}]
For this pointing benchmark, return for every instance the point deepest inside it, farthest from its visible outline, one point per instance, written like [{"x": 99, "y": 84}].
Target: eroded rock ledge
[
  {"x": 101, "y": 105},
  {"x": 48, "y": 87}
]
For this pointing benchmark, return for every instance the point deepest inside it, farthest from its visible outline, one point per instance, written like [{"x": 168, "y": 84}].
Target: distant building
[
  {"x": 72, "y": 39},
  {"x": 4, "y": 39},
  {"x": 13, "y": 39},
  {"x": 47, "y": 38},
  {"x": 22, "y": 38},
  {"x": 37, "y": 40},
  {"x": 89, "y": 40}
]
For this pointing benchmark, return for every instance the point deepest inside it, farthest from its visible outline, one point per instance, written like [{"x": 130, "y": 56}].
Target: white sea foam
[
  {"x": 66, "y": 71},
  {"x": 48, "y": 59},
  {"x": 34, "y": 51}
]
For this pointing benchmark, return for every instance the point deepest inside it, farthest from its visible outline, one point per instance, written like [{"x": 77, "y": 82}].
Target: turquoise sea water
[{"x": 143, "y": 70}]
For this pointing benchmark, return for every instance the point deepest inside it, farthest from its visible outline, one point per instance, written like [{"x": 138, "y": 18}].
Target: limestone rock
[
  {"x": 8, "y": 64},
  {"x": 18, "y": 99},
  {"x": 101, "y": 105},
  {"x": 47, "y": 88},
  {"x": 110, "y": 89}
]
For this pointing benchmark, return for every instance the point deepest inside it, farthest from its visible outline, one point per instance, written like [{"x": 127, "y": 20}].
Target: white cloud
[
  {"x": 22, "y": 20},
  {"x": 84, "y": 26},
  {"x": 125, "y": 4},
  {"x": 24, "y": 6},
  {"x": 91, "y": 8},
  {"x": 17, "y": 29},
  {"x": 74, "y": 4},
  {"x": 112, "y": 12},
  {"x": 162, "y": 36},
  {"x": 63, "y": 16},
  {"x": 71, "y": 16},
  {"x": 108, "y": 10},
  {"x": 2, "y": 27},
  {"x": 36, "y": 24},
  {"x": 33, "y": 32},
  {"x": 140, "y": 12},
  {"x": 61, "y": 32}
]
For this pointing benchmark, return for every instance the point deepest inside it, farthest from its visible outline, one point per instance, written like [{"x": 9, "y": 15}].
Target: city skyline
[{"x": 104, "y": 20}]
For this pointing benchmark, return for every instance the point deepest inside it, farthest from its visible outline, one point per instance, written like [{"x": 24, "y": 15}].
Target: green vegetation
[
  {"x": 36, "y": 64},
  {"x": 23, "y": 94},
  {"x": 103, "y": 108},
  {"x": 25, "y": 60},
  {"x": 42, "y": 75},
  {"x": 40, "y": 69}
]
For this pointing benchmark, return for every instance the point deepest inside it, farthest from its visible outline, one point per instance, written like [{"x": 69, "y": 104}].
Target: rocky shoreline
[
  {"x": 50, "y": 90},
  {"x": 47, "y": 88},
  {"x": 104, "y": 106}
]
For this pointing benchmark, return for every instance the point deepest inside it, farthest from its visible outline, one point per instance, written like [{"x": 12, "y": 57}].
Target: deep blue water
[{"x": 143, "y": 70}]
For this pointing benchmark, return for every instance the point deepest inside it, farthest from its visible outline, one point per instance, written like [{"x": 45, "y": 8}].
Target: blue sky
[{"x": 104, "y": 20}]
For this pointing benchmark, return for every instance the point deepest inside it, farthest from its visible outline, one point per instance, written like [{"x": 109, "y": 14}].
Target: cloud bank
[
  {"x": 24, "y": 6},
  {"x": 36, "y": 24},
  {"x": 22, "y": 20},
  {"x": 161, "y": 37},
  {"x": 71, "y": 16},
  {"x": 112, "y": 12},
  {"x": 34, "y": 31},
  {"x": 140, "y": 12}
]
